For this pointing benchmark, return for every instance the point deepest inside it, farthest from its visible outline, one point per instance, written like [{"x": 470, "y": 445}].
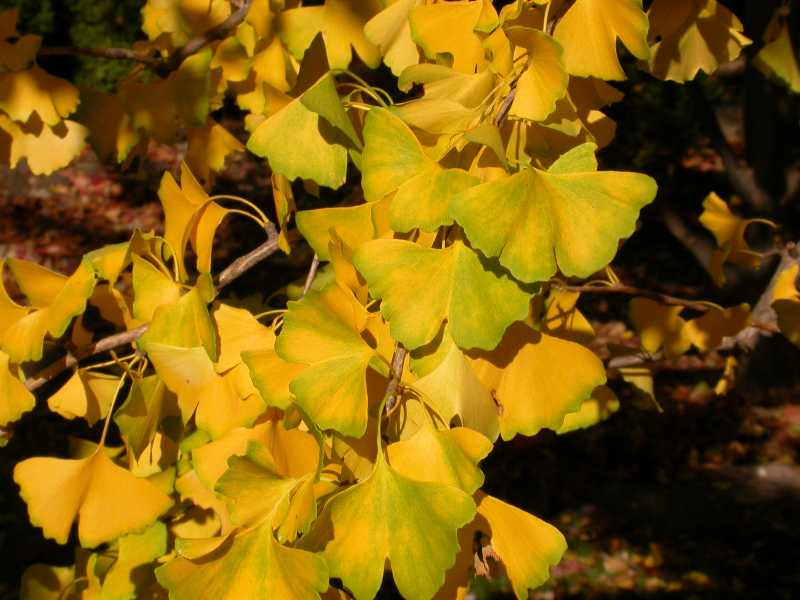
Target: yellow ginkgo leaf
[
  {"x": 107, "y": 500},
  {"x": 323, "y": 331},
  {"x": 728, "y": 230},
  {"x": 208, "y": 148},
  {"x": 341, "y": 23},
  {"x": 588, "y": 32},
  {"x": 692, "y": 36},
  {"x": 111, "y": 131},
  {"x": 778, "y": 57},
  {"x": 251, "y": 564},
  {"x": 562, "y": 318},
  {"x": 450, "y": 456},
  {"x": 239, "y": 331},
  {"x": 707, "y": 331},
  {"x": 544, "y": 80},
  {"x": 189, "y": 215},
  {"x": 412, "y": 523},
  {"x": 272, "y": 376},
  {"x": 453, "y": 389},
  {"x": 46, "y": 149},
  {"x": 87, "y": 394},
  {"x": 47, "y": 582},
  {"x": 15, "y": 399},
  {"x": 148, "y": 403},
  {"x": 786, "y": 303},
  {"x": 450, "y": 29},
  {"x": 184, "y": 323},
  {"x": 152, "y": 288},
  {"x": 537, "y": 379},
  {"x": 56, "y": 299},
  {"x": 390, "y": 31},
  {"x": 526, "y": 545},
  {"x": 218, "y": 400},
  {"x": 182, "y": 19},
  {"x": 23, "y": 93},
  {"x": 660, "y": 326},
  {"x": 602, "y": 404}
]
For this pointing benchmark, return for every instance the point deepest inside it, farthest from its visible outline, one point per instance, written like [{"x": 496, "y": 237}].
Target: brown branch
[
  {"x": 398, "y": 358},
  {"x": 634, "y": 291},
  {"x": 111, "y": 53},
  {"x": 233, "y": 271},
  {"x": 164, "y": 66}
]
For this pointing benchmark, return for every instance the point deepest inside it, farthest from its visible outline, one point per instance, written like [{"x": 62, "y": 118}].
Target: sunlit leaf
[
  {"x": 15, "y": 399},
  {"x": 569, "y": 217},
  {"x": 87, "y": 394},
  {"x": 420, "y": 288}
]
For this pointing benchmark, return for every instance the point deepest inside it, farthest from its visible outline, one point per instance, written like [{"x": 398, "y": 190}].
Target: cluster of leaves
[{"x": 344, "y": 435}]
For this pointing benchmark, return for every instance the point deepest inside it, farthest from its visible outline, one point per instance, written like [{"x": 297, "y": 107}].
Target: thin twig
[
  {"x": 312, "y": 272},
  {"x": 69, "y": 360},
  {"x": 398, "y": 358},
  {"x": 111, "y": 53},
  {"x": 634, "y": 291}
]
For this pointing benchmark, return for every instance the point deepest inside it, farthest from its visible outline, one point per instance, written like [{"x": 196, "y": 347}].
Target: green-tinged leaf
[
  {"x": 131, "y": 575},
  {"x": 568, "y": 217},
  {"x": 420, "y": 288},
  {"x": 391, "y": 32},
  {"x": 393, "y": 160},
  {"x": 184, "y": 323},
  {"x": 271, "y": 375},
  {"x": 250, "y": 564},
  {"x": 46, "y": 582},
  {"x": 412, "y": 523},
  {"x": 353, "y": 225},
  {"x": 537, "y": 379},
  {"x": 316, "y": 152},
  {"x": 151, "y": 289},
  {"x": 108, "y": 500},
  {"x": 600, "y": 406},
  {"x": 450, "y": 456},
  {"x": 322, "y": 331},
  {"x": 147, "y": 404}
]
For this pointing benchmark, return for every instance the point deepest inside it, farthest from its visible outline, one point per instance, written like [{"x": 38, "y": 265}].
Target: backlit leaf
[
  {"x": 660, "y": 326},
  {"x": 569, "y": 217},
  {"x": 778, "y": 57},
  {"x": 601, "y": 405},
  {"x": 544, "y": 81},
  {"x": 129, "y": 576},
  {"x": 786, "y": 303},
  {"x": 391, "y": 32},
  {"x": 420, "y": 288}
]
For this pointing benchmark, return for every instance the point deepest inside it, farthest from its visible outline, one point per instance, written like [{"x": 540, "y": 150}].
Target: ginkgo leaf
[
  {"x": 208, "y": 148},
  {"x": 599, "y": 407},
  {"x": 544, "y": 81},
  {"x": 729, "y": 231},
  {"x": 56, "y": 298},
  {"x": 391, "y": 32},
  {"x": 569, "y": 217},
  {"x": 453, "y": 284},
  {"x": 537, "y": 379},
  {"x": 314, "y": 153},
  {"x": 23, "y": 93},
  {"x": 151, "y": 288},
  {"x": 450, "y": 385},
  {"x": 393, "y": 160},
  {"x": 110, "y": 260},
  {"x": 15, "y": 399},
  {"x": 46, "y": 582},
  {"x": 129, "y": 576},
  {"x": 10, "y": 311},
  {"x": 562, "y": 318},
  {"x": 450, "y": 456},
  {"x": 588, "y": 32},
  {"x": 353, "y": 225},
  {"x": 190, "y": 373},
  {"x": 111, "y": 131},
  {"x": 253, "y": 490},
  {"x": 189, "y": 215},
  {"x": 184, "y": 323},
  {"x": 107, "y": 500},
  {"x": 412, "y": 523},
  {"x": 45, "y": 149},
  {"x": 341, "y": 23},
  {"x": 251, "y": 564},
  {"x": 692, "y": 36},
  {"x": 182, "y": 19},
  {"x": 443, "y": 83},
  {"x": 526, "y": 545},
  {"x": 323, "y": 331},
  {"x": 660, "y": 326},
  {"x": 87, "y": 394},
  {"x": 707, "y": 331},
  {"x": 239, "y": 331},
  {"x": 778, "y": 57},
  {"x": 450, "y": 29},
  {"x": 271, "y": 376},
  {"x": 147, "y": 404},
  {"x": 786, "y": 303}
]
